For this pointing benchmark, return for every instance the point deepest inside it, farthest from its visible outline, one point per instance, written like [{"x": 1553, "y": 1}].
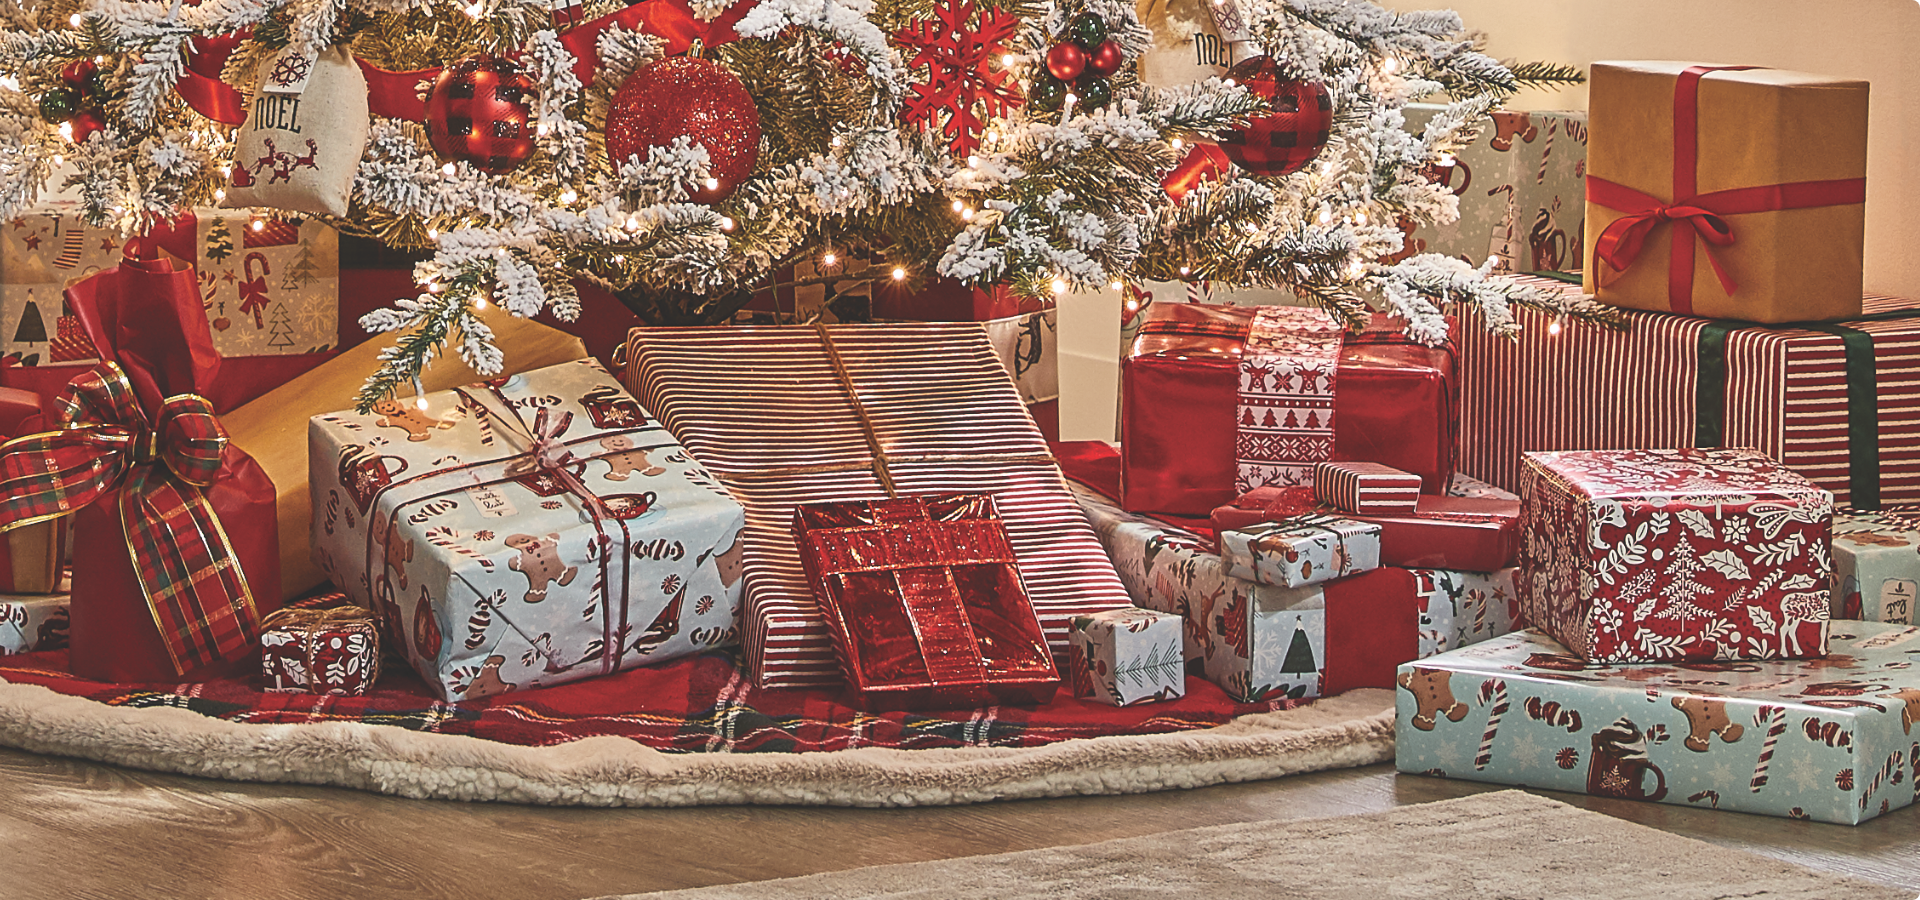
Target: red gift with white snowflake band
[
  {"x": 1366, "y": 488},
  {"x": 1675, "y": 555}
]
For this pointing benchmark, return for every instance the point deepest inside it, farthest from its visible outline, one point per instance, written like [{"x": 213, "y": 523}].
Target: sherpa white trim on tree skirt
[{"x": 1353, "y": 729}]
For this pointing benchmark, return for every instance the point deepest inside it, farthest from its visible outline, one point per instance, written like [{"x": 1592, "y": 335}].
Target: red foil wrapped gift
[
  {"x": 320, "y": 651},
  {"x": 1394, "y": 402},
  {"x": 175, "y": 526},
  {"x": 924, "y": 600}
]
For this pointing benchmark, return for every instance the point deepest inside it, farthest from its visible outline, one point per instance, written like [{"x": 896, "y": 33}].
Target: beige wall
[{"x": 1870, "y": 39}]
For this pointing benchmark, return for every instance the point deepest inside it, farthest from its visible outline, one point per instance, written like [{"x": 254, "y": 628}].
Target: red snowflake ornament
[{"x": 962, "y": 86}]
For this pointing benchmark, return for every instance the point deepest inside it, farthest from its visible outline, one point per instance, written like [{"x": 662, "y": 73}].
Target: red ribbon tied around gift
[
  {"x": 185, "y": 564},
  {"x": 1619, "y": 245}
]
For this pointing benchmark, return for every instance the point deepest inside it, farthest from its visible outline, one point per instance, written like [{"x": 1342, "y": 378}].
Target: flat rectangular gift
[
  {"x": 29, "y": 624},
  {"x": 1366, "y": 488},
  {"x": 1828, "y": 401},
  {"x": 1829, "y": 739},
  {"x": 788, "y": 416},
  {"x": 320, "y": 651},
  {"x": 1216, "y": 400},
  {"x": 1675, "y": 555},
  {"x": 474, "y": 528},
  {"x": 1466, "y": 533},
  {"x": 1296, "y": 551},
  {"x": 1128, "y": 656},
  {"x": 924, "y": 599},
  {"x": 1521, "y": 185},
  {"x": 1734, "y": 192},
  {"x": 1876, "y": 566}
]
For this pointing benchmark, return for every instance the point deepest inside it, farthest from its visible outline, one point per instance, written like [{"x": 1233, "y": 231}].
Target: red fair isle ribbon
[
  {"x": 186, "y": 566},
  {"x": 1620, "y": 244},
  {"x": 1283, "y": 415}
]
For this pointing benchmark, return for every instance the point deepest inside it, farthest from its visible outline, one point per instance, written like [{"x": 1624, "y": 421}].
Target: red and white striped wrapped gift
[
  {"x": 1837, "y": 402},
  {"x": 1366, "y": 488},
  {"x": 765, "y": 410}
]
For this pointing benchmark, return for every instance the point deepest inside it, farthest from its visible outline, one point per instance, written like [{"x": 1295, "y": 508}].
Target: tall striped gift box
[
  {"x": 785, "y": 416},
  {"x": 1366, "y": 488},
  {"x": 1838, "y": 402}
]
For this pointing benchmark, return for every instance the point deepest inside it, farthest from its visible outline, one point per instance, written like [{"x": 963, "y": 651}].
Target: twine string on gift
[
  {"x": 310, "y": 622},
  {"x": 1311, "y": 523},
  {"x": 182, "y": 558}
]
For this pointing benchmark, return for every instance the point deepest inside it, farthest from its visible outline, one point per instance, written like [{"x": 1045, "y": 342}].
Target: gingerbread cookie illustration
[
  {"x": 418, "y": 425},
  {"x": 1706, "y": 717},
  {"x": 540, "y": 561},
  {"x": 1910, "y": 713},
  {"x": 624, "y": 461},
  {"x": 1432, "y": 691},
  {"x": 732, "y": 562},
  {"x": 488, "y": 682},
  {"x": 399, "y": 552}
]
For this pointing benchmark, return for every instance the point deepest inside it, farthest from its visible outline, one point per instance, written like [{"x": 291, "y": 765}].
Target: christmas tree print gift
[{"x": 306, "y": 128}]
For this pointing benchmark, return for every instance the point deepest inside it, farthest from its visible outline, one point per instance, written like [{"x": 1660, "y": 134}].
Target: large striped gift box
[
  {"x": 785, "y": 416},
  {"x": 1837, "y": 402}
]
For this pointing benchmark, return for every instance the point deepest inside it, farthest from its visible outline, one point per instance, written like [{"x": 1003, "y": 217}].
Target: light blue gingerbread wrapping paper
[
  {"x": 1876, "y": 566},
  {"x": 488, "y": 567},
  {"x": 1830, "y": 739}
]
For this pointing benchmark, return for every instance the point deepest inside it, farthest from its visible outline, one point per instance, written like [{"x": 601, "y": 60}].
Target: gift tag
[{"x": 288, "y": 73}]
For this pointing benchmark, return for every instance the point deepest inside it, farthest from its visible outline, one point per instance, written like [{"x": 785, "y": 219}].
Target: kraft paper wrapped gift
[
  {"x": 1675, "y": 555},
  {"x": 1296, "y": 551},
  {"x": 29, "y": 624},
  {"x": 1521, "y": 186},
  {"x": 475, "y": 529},
  {"x": 273, "y": 428},
  {"x": 1830, "y": 739},
  {"x": 1127, "y": 656},
  {"x": 1876, "y": 566},
  {"x": 1726, "y": 192}
]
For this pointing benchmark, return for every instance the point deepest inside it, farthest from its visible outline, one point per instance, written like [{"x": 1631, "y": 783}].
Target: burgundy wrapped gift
[
  {"x": 175, "y": 525},
  {"x": 1463, "y": 534},
  {"x": 1196, "y": 373},
  {"x": 320, "y": 651},
  {"x": 924, "y": 599}
]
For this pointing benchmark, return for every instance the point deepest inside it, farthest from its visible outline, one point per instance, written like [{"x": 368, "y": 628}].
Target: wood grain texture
[{"x": 73, "y": 829}]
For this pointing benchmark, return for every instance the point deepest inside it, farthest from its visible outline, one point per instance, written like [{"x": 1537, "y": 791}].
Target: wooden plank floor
[{"x": 71, "y": 829}]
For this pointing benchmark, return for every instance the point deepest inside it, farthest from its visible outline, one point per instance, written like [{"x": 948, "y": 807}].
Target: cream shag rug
[
  {"x": 1508, "y": 845},
  {"x": 1353, "y": 729}
]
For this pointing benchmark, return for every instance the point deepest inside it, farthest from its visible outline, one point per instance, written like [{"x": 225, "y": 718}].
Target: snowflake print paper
[{"x": 962, "y": 87}]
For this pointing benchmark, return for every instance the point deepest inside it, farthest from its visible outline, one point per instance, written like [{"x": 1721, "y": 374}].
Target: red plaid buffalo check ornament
[{"x": 480, "y": 110}]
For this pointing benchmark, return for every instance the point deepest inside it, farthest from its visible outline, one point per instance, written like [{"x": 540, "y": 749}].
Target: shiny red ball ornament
[
  {"x": 84, "y": 124},
  {"x": 78, "y": 72},
  {"x": 1106, "y": 59},
  {"x": 692, "y": 97},
  {"x": 480, "y": 110},
  {"x": 1289, "y": 138},
  {"x": 1066, "y": 61}
]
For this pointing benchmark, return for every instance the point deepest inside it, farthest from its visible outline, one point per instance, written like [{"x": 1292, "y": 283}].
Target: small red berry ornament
[
  {"x": 1105, "y": 59},
  {"x": 1066, "y": 61},
  {"x": 692, "y": 97},
  {"x": 1286, "y": 140},
  {"x": 479, "y": 110}
]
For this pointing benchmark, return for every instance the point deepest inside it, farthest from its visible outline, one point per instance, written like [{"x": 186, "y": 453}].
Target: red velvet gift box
[
  {"x": 1395, "y": 402},
  {"x": 924, "y": 600}
]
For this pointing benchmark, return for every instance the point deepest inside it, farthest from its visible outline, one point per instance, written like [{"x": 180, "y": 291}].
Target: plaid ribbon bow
[{"x": 186, "y": 566}]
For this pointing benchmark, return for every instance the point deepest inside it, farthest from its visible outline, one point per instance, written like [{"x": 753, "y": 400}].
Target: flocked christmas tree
[{"x": 678, "y": 154}]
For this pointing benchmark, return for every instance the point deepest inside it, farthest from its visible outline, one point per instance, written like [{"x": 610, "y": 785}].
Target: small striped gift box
[
  {"x": 789, "y": 416},
  {"x": 1366, "y": 488}
]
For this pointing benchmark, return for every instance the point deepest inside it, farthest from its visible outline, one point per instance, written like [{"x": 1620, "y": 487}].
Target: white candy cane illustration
[
  {"x": 1495, "y": 690},
  {"x": 1777, "y": 717},
  {"x": 1546, "y": 153},
  {"x": 449, "y": 539},
  {"x": 1893, "y": 764},
  {"x": 1480, "y": 615}
]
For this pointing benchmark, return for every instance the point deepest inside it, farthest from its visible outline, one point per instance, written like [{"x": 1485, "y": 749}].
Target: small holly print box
[
  {"x": 1876, "y": 566},
  {"x": 1301, "y": 550},
  {"x": 1366, "y": 488},
  {"x": 1675, "y": 555},
  {"x": 1829, "y": 739},
  {"x": 320, "y": 651},
  {"x": 1127, "y": 656}
]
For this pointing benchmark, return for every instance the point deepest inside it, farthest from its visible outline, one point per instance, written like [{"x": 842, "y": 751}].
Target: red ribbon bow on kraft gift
[
  {"x": 185, "y": 564},
  {"x": 1620, "y": 244}
]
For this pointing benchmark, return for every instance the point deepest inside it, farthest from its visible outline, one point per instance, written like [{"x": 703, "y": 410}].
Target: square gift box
[
  {"x": 1366, "y": 488},
  {"x": 1876, "y": 566},
  {"x": 1296, "y": 551},
  {"x": 473, "y": 528},
  {"x": 1127, "y": 656},
  {"x": 1675, "y": 555},
  {"x": 1824, "y": 739}
]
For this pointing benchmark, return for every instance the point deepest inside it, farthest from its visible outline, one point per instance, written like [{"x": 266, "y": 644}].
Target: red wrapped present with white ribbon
[
  {"x": 791, "y": 416},
  {"x": 1366, "y": 488}
]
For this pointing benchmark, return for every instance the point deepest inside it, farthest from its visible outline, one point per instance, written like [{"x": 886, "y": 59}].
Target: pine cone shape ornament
[
  {"x": 479, "y": 111},
  {"x": 695, "y": 98},
  {"x": 1286, "y": 140}
]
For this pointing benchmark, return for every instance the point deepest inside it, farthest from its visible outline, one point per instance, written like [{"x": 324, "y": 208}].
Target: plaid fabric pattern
[
  {"x": 193, "y": 584},
  {"x": 478, "y": 111}
]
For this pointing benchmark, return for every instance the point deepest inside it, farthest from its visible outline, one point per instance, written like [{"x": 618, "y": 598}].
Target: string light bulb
[
  {"x": 75, "y": 20},
  {"x": 219, "y": 194},
  {"x": 726, "y": 223},
  {"x": 259, "y": 225},
  {"x": 899, "y": 274},
  {"x": 1059, "y": 285},
  {"x": 828, "y": 259},
  {"x": 1179, "y": 144},
  {"x": 1553, "y": 328},
  {"x": 568, "y": 196},
  {"x": 1117, "y": 285},
  {"x": 958, "y": 206},
  {"x": 712, "y": 184},
  {"x": 1391, "y": 66},
  {"x": 1007, "y": 59},
  {"x": 433, "y": 234},
  {"x": 447, "y": 170},
  {"x": 475, "y": 10}
]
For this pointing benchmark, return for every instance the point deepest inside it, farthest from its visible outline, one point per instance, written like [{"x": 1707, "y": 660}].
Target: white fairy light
[
  {"x": 1059, "y": 285},
  {"x": 828, "y": 259},
  {"x": 726, "y": 223},
  {"x": 568, "y": 196},
  {"x": 447, "y": 170},
  {"x": 899, "y": 274}
]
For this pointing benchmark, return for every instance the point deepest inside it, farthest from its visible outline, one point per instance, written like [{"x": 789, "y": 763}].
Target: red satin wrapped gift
[
  {"x": 1395, "y": 402},
  {"x": 143, "y": 466},
  {"x": 925, "y": 602}
]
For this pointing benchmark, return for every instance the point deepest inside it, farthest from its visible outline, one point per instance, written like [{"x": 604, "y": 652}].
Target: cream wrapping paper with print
[{"x": 305, "y": 131}]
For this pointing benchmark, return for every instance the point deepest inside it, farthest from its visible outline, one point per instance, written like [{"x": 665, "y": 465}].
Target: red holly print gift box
[{"x": 1657, "y": 555}]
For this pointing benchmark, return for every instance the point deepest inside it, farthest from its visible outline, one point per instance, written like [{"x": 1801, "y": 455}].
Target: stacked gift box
[
  {"x": 1876, "y": 566},
  {"x": 1520, "y": 184}
]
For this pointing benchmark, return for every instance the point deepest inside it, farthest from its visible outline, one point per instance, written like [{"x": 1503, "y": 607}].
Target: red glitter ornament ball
[
  {"x": 1105, "y": 59},
  {"x": 692, "y": 97},
  {"x": 1066, "y": 61},
  {"x": 480, "y": 110},
  {"x": 1286, "y": 140}
]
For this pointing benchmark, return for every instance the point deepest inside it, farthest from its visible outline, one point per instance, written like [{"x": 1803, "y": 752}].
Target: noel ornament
[
  {"x": 1286, "y": 140},
  {"x": 306, "y": 128},
  {"x": 479, "y": 111},
  {"x": 695, "y": 98}
]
